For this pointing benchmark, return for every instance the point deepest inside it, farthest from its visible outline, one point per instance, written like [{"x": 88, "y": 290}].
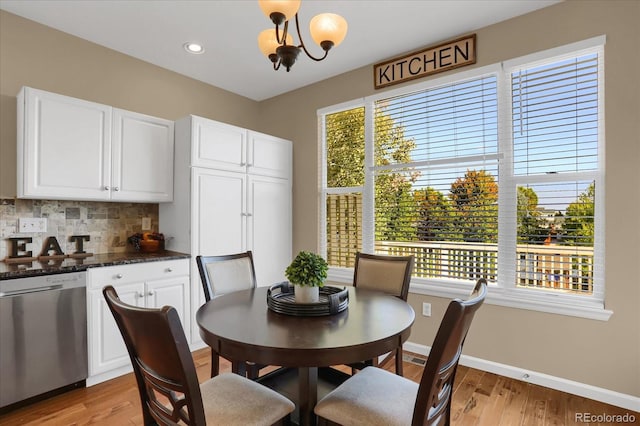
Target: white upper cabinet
[
  {"x": 64, "y": 147},
  {"x": 228, "y": 153},
  {"x": 71, "y": 149},
  {"x": 268, "y": 155},
  {"x": 238, "y": 150},
  {"x": 142, "y": 158}
]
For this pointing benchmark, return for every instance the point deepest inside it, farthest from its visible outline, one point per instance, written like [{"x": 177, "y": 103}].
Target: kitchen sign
[{"x": 432, "y": 60}]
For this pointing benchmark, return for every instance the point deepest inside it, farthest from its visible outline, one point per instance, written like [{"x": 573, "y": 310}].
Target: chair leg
[{"x": 399, "y": 367}]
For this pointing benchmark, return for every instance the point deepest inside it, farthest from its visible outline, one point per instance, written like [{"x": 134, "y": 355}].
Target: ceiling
[{"x": 155, "y": 31}]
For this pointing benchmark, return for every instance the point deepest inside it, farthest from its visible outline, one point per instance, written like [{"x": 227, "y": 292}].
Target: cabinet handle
[
  {"x": 119, "y": 276},
  {"x": 243, "y": 164},
  {"x": 169, "y": 270},
  {"x": 117, "y": 188},
  {"x": 249, "y": 214},
  {"x": 140, "y": 295},
  {"x": 106, "y": 188},
  {"x": 150, "y": 293}
]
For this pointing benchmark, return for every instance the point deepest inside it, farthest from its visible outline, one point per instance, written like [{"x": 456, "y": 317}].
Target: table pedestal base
[{"x": 304, "y": 386}]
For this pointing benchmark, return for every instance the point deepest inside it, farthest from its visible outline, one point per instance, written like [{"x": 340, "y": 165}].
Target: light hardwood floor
[{"x": 479, "y": 399}]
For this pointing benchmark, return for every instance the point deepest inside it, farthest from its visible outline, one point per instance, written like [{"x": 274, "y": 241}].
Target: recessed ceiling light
[{"x": 194, "y": 48}]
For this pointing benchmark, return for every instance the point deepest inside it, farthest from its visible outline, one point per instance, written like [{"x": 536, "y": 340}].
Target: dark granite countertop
[{"x": 35, "y": 268}]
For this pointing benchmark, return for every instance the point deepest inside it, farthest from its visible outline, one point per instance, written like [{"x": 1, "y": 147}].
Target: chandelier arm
[
  {"x": 285, "y": 29},
  {"x": 304, "y": 47}
]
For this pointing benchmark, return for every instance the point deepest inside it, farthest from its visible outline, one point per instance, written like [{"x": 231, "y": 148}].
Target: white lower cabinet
[{"x": 152, "y": 285}]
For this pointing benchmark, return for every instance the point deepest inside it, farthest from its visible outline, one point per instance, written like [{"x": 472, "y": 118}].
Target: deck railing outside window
[{"x": 544, "y": 266}]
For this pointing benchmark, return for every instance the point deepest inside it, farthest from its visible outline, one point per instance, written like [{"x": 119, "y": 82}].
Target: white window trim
[{"x": 505, "y": 293}]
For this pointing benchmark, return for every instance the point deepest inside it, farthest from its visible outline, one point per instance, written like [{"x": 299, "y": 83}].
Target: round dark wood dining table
[{"x": 240, "y": 327}]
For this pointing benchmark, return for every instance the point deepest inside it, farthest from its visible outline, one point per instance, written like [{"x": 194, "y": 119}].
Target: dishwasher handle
[{"x": 29, "y": 290}]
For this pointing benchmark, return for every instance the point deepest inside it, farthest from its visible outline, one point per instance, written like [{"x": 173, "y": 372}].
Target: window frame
[{"x": 504, "y": 292}]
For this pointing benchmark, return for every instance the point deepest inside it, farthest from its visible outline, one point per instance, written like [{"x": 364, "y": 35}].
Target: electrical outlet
[
  {"x": 426, "y": 309},
  {"x": 146, "y": 223},
  {"x": 32, "y": 224}
]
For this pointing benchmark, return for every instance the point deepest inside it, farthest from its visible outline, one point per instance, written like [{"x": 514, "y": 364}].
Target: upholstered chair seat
[
  {"x": 230, "y": 399},
  {"x": 389, "y": 400}
]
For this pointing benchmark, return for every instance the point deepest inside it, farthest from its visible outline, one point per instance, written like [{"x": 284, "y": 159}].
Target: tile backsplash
[{"x": 108, "y": 224}]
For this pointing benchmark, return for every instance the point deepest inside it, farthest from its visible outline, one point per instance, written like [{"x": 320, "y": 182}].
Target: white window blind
[
  {"x": 555, "y": 133},
  {"x": 436, "y": 188},
  {"x": 555, "y": 117}
]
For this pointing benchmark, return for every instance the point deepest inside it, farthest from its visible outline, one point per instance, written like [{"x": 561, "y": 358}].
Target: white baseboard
[
  {"x": 111, "y": 374},
  {"x": 607, "y": 396}
]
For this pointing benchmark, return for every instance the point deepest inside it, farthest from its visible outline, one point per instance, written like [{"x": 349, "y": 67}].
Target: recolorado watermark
[{"x": 605, "y": 418}]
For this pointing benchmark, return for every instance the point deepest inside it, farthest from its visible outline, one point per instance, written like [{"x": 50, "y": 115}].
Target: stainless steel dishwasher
[{"x": 43, "y": 335}]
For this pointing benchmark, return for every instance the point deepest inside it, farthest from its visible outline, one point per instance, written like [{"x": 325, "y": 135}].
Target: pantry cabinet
[
  {"x": 72, "y": 149},
  {"x": 232, "y": 194},
  {"x": 151, "y": 285}
]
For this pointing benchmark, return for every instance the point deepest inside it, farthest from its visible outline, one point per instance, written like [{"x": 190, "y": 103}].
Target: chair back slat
[
  {"x": 162, "y": 363},
  {"x": 433, "y": 403}
]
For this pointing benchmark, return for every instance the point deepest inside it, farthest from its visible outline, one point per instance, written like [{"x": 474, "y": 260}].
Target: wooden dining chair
[
  {"x": 225, "y": 274},
  {"x": 390, "y": 274},
  {"x": 377, "y": 397},
  {"x": 167, "y": 380}
]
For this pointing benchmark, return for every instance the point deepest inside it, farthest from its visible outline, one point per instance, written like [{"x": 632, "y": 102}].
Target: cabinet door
[
  {"x": 219, "y": 212},
  {"x": 172, "y": 292},
  {"x": 218, "y": 145},
  {"x": 64, "y": 147},
  {"x": 106, "y": 347},
  {"x": 142, "y": 161},
  {"x": 218, "y": 224},
  {"x": 269, "y": 156},
  {"x": 269, "y": 227}
]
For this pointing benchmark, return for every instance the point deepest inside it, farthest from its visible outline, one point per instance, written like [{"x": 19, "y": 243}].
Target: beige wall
[{"x": 603, "y": 354}]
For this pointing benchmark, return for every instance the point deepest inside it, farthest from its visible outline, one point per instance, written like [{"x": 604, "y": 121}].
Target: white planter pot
[{"x": 306, "y": 294}]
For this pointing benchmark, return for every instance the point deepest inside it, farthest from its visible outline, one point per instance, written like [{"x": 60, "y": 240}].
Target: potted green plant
[{"x": 307, "y": 273}]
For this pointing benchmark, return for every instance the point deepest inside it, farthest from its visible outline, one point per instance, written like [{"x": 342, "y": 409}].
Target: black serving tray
[{"x": 281, "y": 299}]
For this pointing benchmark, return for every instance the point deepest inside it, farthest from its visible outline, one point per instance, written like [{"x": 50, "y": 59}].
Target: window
[
  {"x": 344, "y": 138},
  {"x": 494, "y": 173},
  {"x": 435, "y": 179},
  {"x": 555, "y": 149}
]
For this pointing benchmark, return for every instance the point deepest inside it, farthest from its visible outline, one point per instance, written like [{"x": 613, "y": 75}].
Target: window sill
[{"x": 532, "y": 300}]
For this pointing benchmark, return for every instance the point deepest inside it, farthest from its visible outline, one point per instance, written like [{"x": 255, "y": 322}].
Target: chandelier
[{"x": 327, "y": 30}]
